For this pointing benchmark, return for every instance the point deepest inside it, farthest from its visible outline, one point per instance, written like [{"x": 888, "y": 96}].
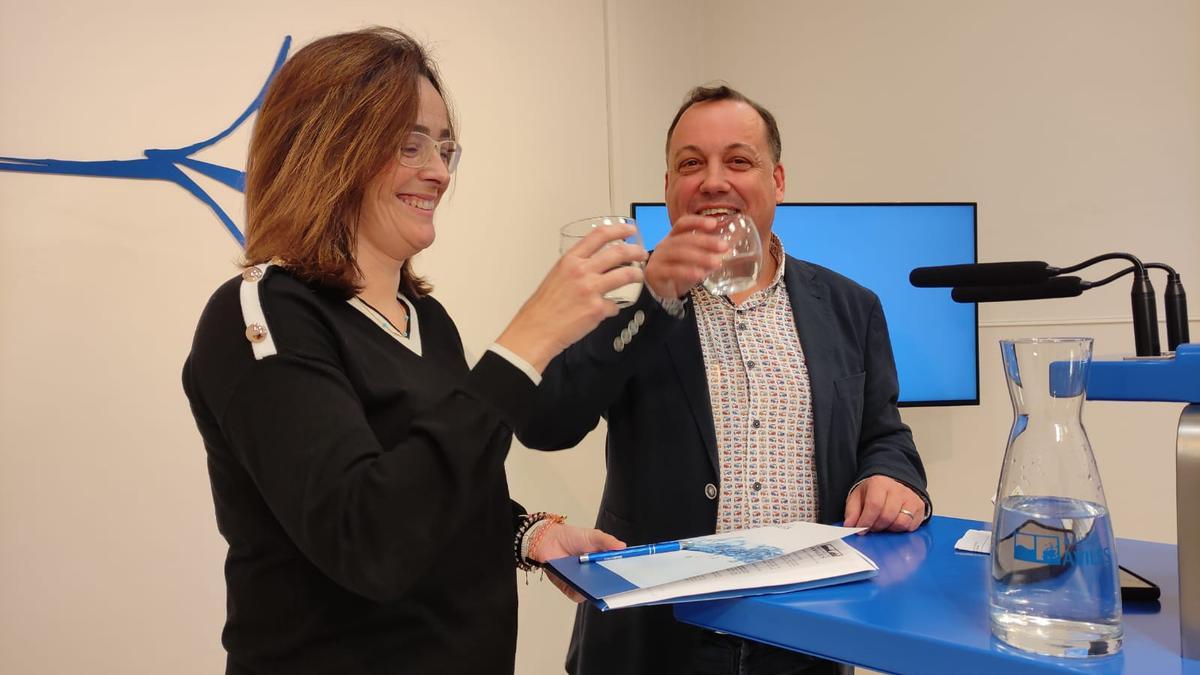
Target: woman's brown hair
[{"x": 332, "y": 118}]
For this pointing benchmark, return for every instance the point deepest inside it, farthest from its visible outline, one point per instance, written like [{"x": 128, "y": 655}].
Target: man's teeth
[
  {"x": 716, "y": 212},
  {"x": 426, "y": 204}
]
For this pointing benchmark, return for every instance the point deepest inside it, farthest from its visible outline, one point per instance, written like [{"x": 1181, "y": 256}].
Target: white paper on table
[
  {"x": 737, "y": 549},
  {"x": 826, "y": 560},
  {"x": 975, "y": 541}
]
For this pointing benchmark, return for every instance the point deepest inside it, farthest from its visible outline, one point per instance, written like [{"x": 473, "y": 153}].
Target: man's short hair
[{"x": 723, "y": 92}]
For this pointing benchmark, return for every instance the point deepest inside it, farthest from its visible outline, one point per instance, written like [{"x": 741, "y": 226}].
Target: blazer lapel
[
  {"x": 684, "y": 348},
  {"x": 814, "y": 325}
]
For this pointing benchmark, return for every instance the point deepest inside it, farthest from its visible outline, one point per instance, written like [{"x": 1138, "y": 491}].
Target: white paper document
[
  {"x": 831, "y": 560},
  {"x": 755, "y": 560},
  {"x": 715, "y": 552}
]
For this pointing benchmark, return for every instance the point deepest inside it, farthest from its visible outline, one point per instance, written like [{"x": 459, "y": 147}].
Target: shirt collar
[{"x": 776, "y": 250}]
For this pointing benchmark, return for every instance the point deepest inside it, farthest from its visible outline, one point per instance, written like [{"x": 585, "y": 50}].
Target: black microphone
[
  {"x": 1174, "y": 301},
  {"x": 1175, "y": 307},
  {"x": 982, "y": 274},
  {"x": 1057, "y": 287},
  {"x": 1034, "y": 280}
]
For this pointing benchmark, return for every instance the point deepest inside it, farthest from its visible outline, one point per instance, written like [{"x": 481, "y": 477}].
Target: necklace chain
[{"x": 386, "y": 323}]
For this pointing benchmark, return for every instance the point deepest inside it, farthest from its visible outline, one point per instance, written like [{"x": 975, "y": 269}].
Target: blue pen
[{"x": 633, "y": 551}]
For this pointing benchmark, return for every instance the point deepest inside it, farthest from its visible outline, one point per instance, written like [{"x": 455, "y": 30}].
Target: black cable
[
  {"x": 1174, "y": 301},
  {"x": 1145, "y": 310},
  {"x": 1172, "y": 275}
]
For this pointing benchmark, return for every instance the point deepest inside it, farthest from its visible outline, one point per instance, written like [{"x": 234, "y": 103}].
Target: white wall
[
  {"x": 1075, "y": 127},
  {"x": 1073, "y": 124},
  {"x": 110, "y": 561}
]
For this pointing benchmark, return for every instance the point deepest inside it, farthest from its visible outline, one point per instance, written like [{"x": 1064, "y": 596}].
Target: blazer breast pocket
[
  {"x": 850, "y": 387},
  {"x": 615, "y": 525}
]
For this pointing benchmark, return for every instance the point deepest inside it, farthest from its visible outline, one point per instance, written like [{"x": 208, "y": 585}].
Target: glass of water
[
  {"x": 572, "y": 233},
  {"x": 739, "y": 265}
]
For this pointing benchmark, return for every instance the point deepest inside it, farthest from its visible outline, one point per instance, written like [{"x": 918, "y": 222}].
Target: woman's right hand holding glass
[{"x": 570, "y": 302}]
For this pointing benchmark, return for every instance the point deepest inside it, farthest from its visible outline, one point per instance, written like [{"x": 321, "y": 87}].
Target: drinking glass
[
  {"x": 572, "y": 233},
  {"x": 739, "y": 265}
]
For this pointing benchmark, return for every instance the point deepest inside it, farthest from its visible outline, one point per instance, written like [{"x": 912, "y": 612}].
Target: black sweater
[{"x": 360, "y": 486}]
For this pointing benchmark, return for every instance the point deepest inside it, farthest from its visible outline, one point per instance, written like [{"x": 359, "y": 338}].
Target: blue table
[{"x": 926, "y": 612}]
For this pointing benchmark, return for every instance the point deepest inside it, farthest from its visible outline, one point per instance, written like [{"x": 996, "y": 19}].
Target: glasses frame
[{"x": 431, "y": 148}]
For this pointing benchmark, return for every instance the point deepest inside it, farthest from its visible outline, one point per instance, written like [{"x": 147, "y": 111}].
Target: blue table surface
[{"x": 927, "y": 612}]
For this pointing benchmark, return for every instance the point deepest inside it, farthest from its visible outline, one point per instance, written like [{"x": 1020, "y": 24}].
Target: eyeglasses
[{"x": 419, "y": 148}]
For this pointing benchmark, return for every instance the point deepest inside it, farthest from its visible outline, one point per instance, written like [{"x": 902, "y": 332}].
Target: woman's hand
[
  {"x": 569, "y": 303},
  {"x": 561, "y": 540}
]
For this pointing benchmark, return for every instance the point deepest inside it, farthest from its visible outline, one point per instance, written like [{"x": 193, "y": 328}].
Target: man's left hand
[{"x": 881, "y": 503}]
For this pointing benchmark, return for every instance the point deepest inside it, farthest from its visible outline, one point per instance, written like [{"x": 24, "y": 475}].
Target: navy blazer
[{"x": 661, "y": 452}]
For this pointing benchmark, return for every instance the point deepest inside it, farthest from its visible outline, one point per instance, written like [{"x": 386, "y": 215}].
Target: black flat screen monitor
[{"x": 934, "y": 339}]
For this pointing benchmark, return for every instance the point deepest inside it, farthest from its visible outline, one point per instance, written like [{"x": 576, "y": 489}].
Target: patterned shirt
[{"x": 761, "y": 405}]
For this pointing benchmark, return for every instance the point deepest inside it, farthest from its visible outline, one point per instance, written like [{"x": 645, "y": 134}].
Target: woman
[{"x": 357, "y": 463}]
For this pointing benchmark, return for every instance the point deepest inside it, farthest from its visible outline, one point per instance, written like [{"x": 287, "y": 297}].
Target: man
[{"x": 775, "y": 404}]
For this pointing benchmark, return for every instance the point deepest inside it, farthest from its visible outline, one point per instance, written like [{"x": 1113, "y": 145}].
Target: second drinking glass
[
  {"x": 572, "y": 233},
  {"x": 739, "y": 265}
]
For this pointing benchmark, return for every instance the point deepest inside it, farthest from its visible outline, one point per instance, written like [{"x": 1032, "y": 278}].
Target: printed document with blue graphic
[{"x": 774, "y": 559}]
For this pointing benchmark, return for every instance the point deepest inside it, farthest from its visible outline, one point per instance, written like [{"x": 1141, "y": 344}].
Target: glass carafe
[{"x": 1054, "y": 587}]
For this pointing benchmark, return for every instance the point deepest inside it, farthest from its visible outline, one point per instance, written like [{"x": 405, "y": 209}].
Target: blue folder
[{"x": 595, "y": 582}]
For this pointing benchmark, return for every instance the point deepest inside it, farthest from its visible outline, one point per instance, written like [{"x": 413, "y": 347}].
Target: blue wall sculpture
[{"x": 163, "y": 164}]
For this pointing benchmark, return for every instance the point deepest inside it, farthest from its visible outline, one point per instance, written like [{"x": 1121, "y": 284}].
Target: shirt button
[
  {"x": 756, "y": 424},
  {"x": 710, "y": 491},
  {"x": 741, "y": 326},
  {"x": 757, "y": 486},
  {"x": 749, "y": 365}
]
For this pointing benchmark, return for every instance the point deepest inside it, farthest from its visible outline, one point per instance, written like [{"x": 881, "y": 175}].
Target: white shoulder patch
[{"x": 257, "y": 330}]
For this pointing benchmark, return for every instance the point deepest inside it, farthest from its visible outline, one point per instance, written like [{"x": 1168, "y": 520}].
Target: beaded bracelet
[
  {"x": 527, "y": 522},
  {"x": 551, "y": 519},
  {"x": 520, "y": 550},
  {"x": 529, "y": 534}
]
